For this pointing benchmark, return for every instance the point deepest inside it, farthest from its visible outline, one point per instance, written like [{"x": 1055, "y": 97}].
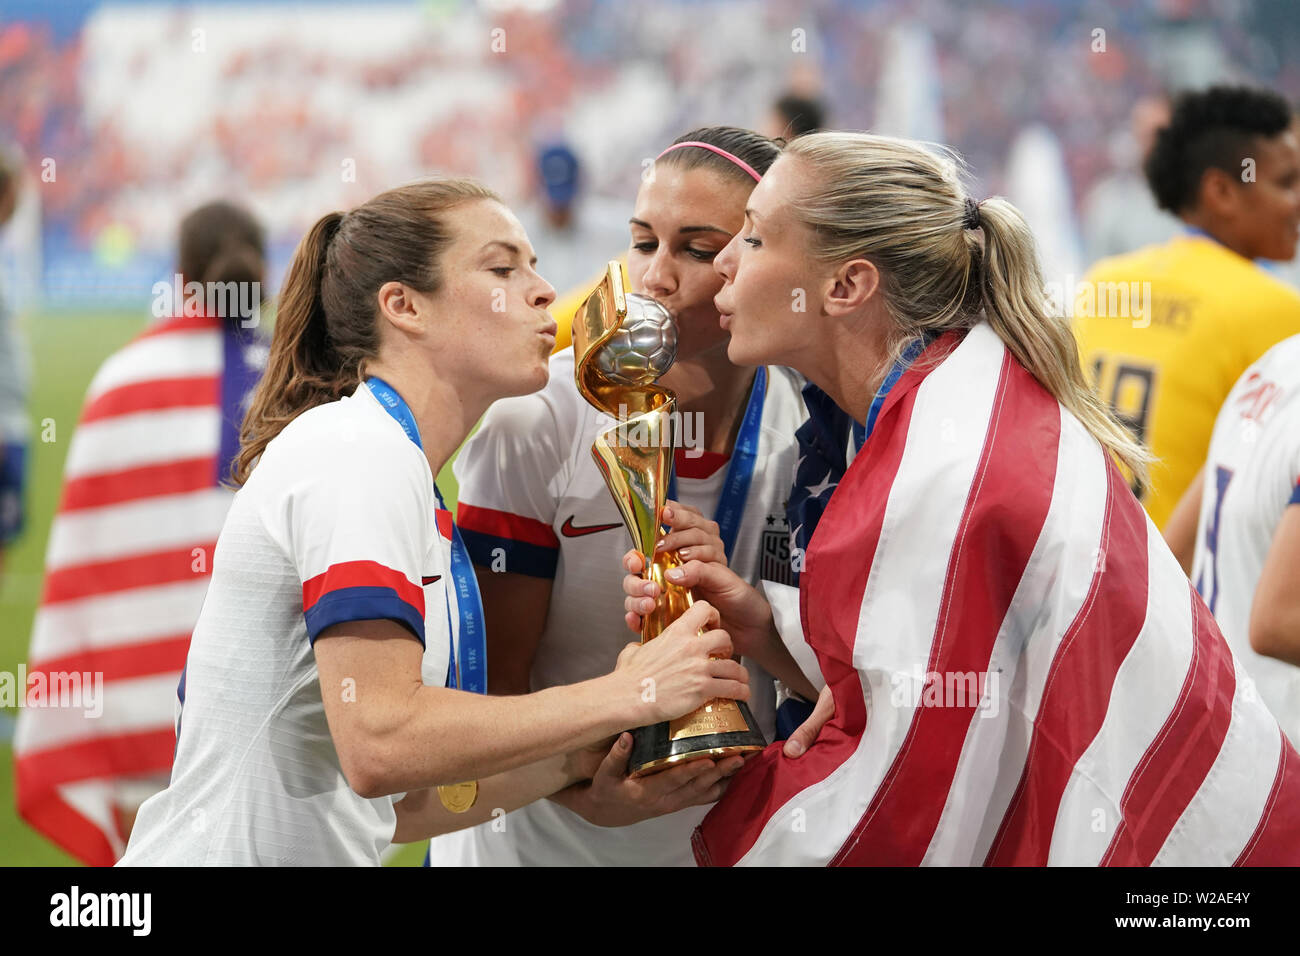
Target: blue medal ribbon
[
  {"x": 396, "y": 406},
  {"x": 740, "y": 471},
  {"x": 468, "y": 669}
]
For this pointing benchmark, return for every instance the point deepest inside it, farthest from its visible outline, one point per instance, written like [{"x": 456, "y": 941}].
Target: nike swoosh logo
[
  {"x": 430, "y": 578},
  {"x": 569, "y": 530}
]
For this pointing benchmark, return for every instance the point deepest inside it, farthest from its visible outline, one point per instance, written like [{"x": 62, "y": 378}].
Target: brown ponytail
[
  {"x": 326, "y": 327},
  {"x": 211, "y": 235}
]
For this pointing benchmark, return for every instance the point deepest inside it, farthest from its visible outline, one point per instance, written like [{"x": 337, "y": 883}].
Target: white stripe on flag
[
  {"x": 172, "y": 355},
  {"x": 121, "y": 618},
  {"x": 1146, "y": 691},
  {"x": 1221, "y": 818},
  {"x": 119, "y": 531},
  {"x": 140, "y": 703},
  {"x": 784, "y": 602},
  {"x": 1083, "y": 519},
  {"x": 93, "y": 799},
  {"x": 1051, "y": 591},
  {"x": 143, "y": 438}
]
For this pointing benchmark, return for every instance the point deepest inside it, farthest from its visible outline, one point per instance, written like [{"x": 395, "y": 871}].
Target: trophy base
[{"x": 654, "y": 749}]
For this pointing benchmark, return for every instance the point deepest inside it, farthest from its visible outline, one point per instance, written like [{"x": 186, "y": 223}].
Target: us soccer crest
[{"x": 774, "y": 562}]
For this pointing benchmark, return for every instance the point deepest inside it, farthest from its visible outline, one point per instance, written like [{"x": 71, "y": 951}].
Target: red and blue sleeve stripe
[
  {"x": 1295, "y": 495},
  {"x": 362, "y": 591},
  {"x": 528, "y": 545}
]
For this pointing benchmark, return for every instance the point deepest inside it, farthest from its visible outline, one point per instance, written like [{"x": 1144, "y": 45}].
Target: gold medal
[{"x": 459, "y": 797}]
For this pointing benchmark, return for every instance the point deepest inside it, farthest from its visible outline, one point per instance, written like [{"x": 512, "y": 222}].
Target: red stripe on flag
[
  {"x": 154, "y": 395},
  {"x": 136, "y": 753},
  {"x": 361, "y": 574},
  {"x": 68, "y": 829},
  {"x": 147, "y": 481},
  {"x": 1276, "y": 840},
  {"x": 1175, "y": 765},
  {"x": 38, "y": 775},
  {"x": 75, "y": 581},
  {"x": 830, "y": 599},
  {"x": 444, "y": 523},
  {"x": 503, "y": 524},
  {"x": 143, "y": 659},
  {"x": 1010, "y": 495},
  {"x": 1078, "y": 687},
  {"x": 181, "y": 323}
]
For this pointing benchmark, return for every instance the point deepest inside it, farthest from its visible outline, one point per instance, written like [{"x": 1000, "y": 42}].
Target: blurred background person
[
  {"x": 1171, "y": 327},
  {"x": 794, "y": 114},
  {"x": 130, "y": 551},
  {"x": 573, "y": 233},
  {"x": 1288, "y": 272},
  {"x": 1237, "y": 529},
  {"x": 14, "y": 376}
]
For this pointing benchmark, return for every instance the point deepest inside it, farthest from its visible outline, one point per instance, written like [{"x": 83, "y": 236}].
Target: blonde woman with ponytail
[
  {"x": 333, "y": 698},
  {"x": 1019, "y": 670}
]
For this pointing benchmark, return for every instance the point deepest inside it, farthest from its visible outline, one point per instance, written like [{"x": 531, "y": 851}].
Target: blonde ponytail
[
  {"x": 1016, "y": 308},
  {"x": 901, "y": 204}
]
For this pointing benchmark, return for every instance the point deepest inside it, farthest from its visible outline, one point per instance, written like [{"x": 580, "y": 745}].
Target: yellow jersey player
[{"x": 1165, "y": 331}]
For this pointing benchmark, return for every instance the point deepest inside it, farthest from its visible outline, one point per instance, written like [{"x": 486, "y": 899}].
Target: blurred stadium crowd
[{"x": 144, "y": 109}]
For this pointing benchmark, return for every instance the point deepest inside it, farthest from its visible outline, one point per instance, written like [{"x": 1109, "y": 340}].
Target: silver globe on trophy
[{"x": 622, "y": 344}]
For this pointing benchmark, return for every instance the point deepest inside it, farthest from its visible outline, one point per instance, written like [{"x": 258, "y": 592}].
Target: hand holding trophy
[{"x": 622, "y": 344}]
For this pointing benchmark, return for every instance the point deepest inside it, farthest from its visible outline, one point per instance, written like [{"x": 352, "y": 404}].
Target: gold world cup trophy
[{"x": 622, "y": 343}]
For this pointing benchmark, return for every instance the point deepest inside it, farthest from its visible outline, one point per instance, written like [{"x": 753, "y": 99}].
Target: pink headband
[{"x": 721, "y": 152}]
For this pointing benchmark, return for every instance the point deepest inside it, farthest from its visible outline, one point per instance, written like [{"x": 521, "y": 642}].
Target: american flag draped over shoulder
[
  {"x": 823, "y": 458},
  {"x": 1022, "y": 673},
  {"x": 828, "y": 441},
  {"x": 127, "y": 568}
]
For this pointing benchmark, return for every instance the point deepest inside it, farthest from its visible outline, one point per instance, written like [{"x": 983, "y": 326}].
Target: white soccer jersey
[
  {"x": 1252, "y": 475},
  {"x": 532, "y": 501},
  {"x": 337, "y": 523}
]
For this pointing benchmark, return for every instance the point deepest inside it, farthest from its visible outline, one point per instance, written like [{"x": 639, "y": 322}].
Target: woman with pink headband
[{"x": 547, "y": 540}]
